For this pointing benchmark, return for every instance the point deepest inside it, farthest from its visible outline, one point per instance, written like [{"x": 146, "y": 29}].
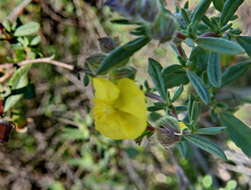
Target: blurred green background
[{"x": 62, "y": 151}]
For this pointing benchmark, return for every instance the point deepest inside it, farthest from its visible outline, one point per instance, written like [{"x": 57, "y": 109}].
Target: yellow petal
[
  {"x": 105, "y": 90},
  {"x": 121, "y": 125},
  {"x": 131, "y": 99}
]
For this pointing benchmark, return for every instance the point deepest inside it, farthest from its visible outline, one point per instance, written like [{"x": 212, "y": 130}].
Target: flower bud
[
  {"x": 167, "y": 132},
  {"x": 164, "y": 28},
  {"x": 167, "y": 136},
  {"x": 107, "y": 44},
  {"x": 149, "y": 10},
  {"x": 126, "y": 8}
]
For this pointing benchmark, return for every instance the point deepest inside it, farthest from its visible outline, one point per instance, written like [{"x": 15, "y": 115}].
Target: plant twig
[
  {"x": 48, "y": 60},
  {"x": 184, "y": 181},
  {"x": 132, "y": 174},
  {"x": 6, "y": 76},
  {"x": 18, "y": 10}
]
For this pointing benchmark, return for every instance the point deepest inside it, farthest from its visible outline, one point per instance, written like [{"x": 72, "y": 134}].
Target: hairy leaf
[
  {"x": 154, "y": 70},
  {"x": 206, "y": 145},
  {"x": 238, "y": 131},
  {"x": 199, "y": 86},
  {"x": 220, "y": 45},
  {"x": 214, "y": 70}
]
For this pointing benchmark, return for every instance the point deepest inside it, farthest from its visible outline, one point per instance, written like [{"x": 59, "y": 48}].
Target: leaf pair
[{"x": 17, "y": 81}]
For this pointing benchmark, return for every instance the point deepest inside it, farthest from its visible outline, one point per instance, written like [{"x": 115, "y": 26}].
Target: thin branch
[
  {"x": 184, "y": 181},
  {"x": 18, "y": 10},
  {"x": 132, "y": 173},
  {"x": 48, "y": 60},
  {"x": 154, "y": 97},
  {"x": 6, "y": 76}
]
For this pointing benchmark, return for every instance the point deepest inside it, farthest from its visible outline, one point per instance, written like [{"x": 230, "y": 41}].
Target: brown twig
[
  {"x": 18, "y": 10},
  {"x": 6, "y": 76},
  {"x": 48, "y": 60},
  {"x": 132, "y": 173}
]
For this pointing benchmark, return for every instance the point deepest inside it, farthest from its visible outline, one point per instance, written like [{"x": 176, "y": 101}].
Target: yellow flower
[
  {"x": 119, "y": 108},
  {"x": 182, "y": 126}
]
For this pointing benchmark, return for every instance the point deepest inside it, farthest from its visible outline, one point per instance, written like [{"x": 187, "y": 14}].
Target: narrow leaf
[
  {"x": 199, "y": 86},
  {"x": 121, "y": 54},
  {"x": 183, "y": 148},
  {"x": 200, "y": 10},
  {"x": 193, "y": 111},
  {"x": 177, "y": 93},
  {"x": 245, "y": 42},
  {"x": 174, "y": 75},
  {"x": 234, "y": 72},
  {"x": 206, "y": 145},
  {"x": 220, "y": 45},
  {"x": 214, "y": 70},
  {"x": 238, "y": 131},
  {"x": 210, "y": 130},
  {"x": 229, "y": 9},
  {"x": 218, "y": 4},
  {"x": 154, "y": 70}
]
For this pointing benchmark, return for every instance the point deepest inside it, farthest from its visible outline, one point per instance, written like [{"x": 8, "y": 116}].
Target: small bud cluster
[
  {"x": 136, "y": 10},
  {"x": 160, "y": 24}
]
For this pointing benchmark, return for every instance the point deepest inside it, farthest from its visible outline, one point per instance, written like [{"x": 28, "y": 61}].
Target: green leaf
[
  {"x": 214, "y": 70},
  {"x": 121, "y": 54},
  {"x": 200, "y": 10},
  {"x": 27, "y": 29},
  {"x": 154, "y": 70},
  {"x": 18, "y": 80},
  {"x": 193, "y": 109},
  {"x": 218, "y": 4},
  {"x": 35, "y": 41},
  {"x": 156, "y": 107},
  {"x": 199, "y": 59},
  {"x": 210, "y": 130},
  {"x": 178, "y": 91},
  {"x": 199, "y": 86},
  {"x": 174, "y": 75},
  {"x": 238, "y": 131},
  {"x": 229, "y": 9},
  {"x": 183, "y": 148},
  {"x": 27, "y": 91},
  {"x": 234, "y": 72},
  {"x": 245, "y": 42},
  {"x": 220, "y": 45},
  {"x": 206, "y": 145}
]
